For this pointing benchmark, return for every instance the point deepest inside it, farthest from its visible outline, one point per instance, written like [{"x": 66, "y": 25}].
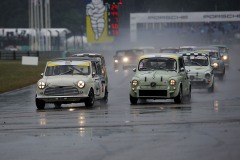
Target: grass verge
[{"x": 14, "y": 75}]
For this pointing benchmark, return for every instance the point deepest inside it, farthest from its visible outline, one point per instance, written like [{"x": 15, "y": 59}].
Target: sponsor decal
[
  {"x": 167, "y": 17},
  {"x": 228, "y": 16}
]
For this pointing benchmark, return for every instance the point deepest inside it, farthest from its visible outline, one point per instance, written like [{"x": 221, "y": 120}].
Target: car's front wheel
[
  {"x": 39, "y": 103},
  {"x": 57, "y": 105},
  {"x": 211, "y": 89},
  {"x": 89, "y": 102},
  {"x": 105, "y": 98},
  {"x": 179, "y": 97},
  {"x": 133, "y": 100}
]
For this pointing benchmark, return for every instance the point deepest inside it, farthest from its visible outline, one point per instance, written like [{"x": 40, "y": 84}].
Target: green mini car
[
  {"x": 71, "y": 80},
  {"x": 160, "y": 76},
  {"x": 199, "y": 70},
  {"x": 224, "y": 52}
]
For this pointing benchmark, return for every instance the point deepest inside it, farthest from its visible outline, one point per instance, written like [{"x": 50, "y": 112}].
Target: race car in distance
[
  {"x": 199, "y": 70},
  {"x": 96, "y": 57},
  {"x": 169, "y": 50},
  {"x": 186, "y": 48},
  {"x": 224, "y": 52},
  {"x": 127, "y": 58},
  {"x": 216, "y": 61},
  {"x": 71, "y": 80},
  {"x": 160, "y": 76}
]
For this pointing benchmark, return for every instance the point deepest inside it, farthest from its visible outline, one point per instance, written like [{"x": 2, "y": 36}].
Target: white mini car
[
  {"x": 160, "y": 76},
  {"x": 71, "y": 80},
  {"x": 199, "y": 70}
]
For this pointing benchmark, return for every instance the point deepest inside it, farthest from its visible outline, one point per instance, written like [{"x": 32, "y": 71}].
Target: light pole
[
  {"x": 58, "y": 40},
  {"x": 66, "y": 42},
  {"x": 50, "y": 38}
]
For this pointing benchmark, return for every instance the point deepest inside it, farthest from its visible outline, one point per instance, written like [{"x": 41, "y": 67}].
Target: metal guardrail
[{"x": 15, "y": 55}]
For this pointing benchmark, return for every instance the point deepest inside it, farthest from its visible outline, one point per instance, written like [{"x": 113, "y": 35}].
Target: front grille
[
  {"x": 152, "y": 93},
  {"x": 61, "y": 91},
  {"x": 198, "y": 84}
]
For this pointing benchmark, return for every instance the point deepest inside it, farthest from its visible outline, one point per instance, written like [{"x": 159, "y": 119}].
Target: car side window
[
  {"x": 94, "y": 68},
  {"x": 181, "y": 63},
  {"x": 99, "y": 69}
]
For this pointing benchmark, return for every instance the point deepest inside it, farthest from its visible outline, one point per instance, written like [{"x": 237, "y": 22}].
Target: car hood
[
  {"x": 197, "y": 69},
  {"x": 64, "y": 80}
]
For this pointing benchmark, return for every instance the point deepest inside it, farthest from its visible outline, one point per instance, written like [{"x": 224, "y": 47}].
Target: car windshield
[
  {"x": 169, "y": 50},
  {"x": 130, "y": 53},
  {"x": 67, "y": 70},
  {"x": 185, "y": 49},
  {"x": 222, "y": 49},
  {"x": 196, "y": 60},
  {"x": 160, "y": 63},
  {"x": 213, "y": 55}
]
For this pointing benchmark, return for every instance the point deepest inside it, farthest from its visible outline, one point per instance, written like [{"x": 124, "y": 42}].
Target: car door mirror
[
  {"x": 93, "y": 74},
  {"x": 182, "y": 69},
  {"x": 134, "y": 69}
]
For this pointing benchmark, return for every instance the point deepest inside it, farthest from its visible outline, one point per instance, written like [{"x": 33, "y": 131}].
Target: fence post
[
  {"x": 38, "y": 54},
  {"x": 14, "y": 55}
]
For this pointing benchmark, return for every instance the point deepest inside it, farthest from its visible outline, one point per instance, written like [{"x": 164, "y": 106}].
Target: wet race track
[{"x": 208, "y": 128}]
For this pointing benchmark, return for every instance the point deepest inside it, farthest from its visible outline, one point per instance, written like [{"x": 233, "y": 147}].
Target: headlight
[
  {"x": 41, "y": 85},
  {"x": 225, "y": 57},
  {"x": 134, "y": 82},
  {"x": 207, "y": 75},
  {"x": 125, "y": 59},
  {"x": 116, "y": 61},
  {"x": 81, "y": 84},
  {"x": 215, "y": 65},
  {"x": 172, "y": 82}
]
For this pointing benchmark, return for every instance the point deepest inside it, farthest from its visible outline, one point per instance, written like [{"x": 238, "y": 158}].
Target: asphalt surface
[{"x": 206, "y": 129}]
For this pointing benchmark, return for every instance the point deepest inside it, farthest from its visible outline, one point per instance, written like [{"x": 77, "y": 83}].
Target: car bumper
[
  {"x": 62, "y": 99},
  {"x": 159, "y": 92},
  {"x": 201, "y": 84}
]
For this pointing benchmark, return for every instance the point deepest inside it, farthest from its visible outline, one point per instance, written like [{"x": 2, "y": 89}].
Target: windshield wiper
[
  {"x": 196, "y": 63},
  {"x": 70, "y": 70},
  {"x": 146, "y": 69}
]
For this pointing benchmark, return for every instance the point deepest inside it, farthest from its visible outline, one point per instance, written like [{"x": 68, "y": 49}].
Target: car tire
[
  {"x": 57, "y": 105},
  {"x": 40, "y": 104},
  {"x": 89, "y": 102},
  {"x": 189, "y": 96},
  {"x": 222, "y": 75},
  {"x": 179, "y": 97},
  {"x": 105, "y": 98},
  {"x": 211, "y": 89},
  {"x": 133, "y": 100}
]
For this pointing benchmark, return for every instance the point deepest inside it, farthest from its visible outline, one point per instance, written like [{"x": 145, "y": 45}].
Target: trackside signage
[
  {"x": 180, "y": 17},
  {"x": 185, "y": 17}
]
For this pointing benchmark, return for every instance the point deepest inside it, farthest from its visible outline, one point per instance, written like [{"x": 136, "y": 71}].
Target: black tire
[
  {"x": 57, "y": 105},
  {"x": 179, "y": 97},
  {"x": 222, "y": 75},
  {"x": 89, "y": 102},
  {"x": 40, "y": 104},
  {"x": 211, "y": 89},
  {"x": 189, "y": 96},
  {"x": 105, "y": 98},
  {"x": 133, "y": 100}
]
